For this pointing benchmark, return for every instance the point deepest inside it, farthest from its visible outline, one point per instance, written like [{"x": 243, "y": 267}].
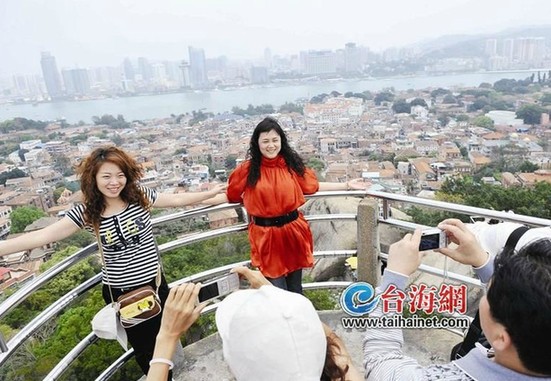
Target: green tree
[
  {"x": 462, "y": 118},
  {"x": 383, "y": 96},
  {"x": 289, "y": 107},
  {"x": 484, "y": 121},
  {"x": 401, "y": 106},
  {"x": 15, "y": 173},
  {"x": 418, "y": 102},
  {"x": 316, "y": 164},
  {"x": 545, "y": 99},
  {"x": 231, "y": 161},
  {"x": 449, "y": 99},
  {"x": 528, "y": 167},
  {"x": 23, "y": 216},
  {"x": 530, "y": 113}
]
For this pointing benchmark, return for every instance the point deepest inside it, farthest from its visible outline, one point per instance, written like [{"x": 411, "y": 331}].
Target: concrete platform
[{"x": 203, "y": 361}]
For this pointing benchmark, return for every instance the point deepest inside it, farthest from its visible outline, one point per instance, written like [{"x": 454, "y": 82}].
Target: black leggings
[{"x": 142, "y": 336}]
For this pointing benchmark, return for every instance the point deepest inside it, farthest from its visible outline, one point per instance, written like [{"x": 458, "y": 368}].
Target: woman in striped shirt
[{"x": 118, "y": 209}]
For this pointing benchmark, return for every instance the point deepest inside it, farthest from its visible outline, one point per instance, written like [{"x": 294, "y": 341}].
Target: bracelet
[{"x": 160, "y": 360}]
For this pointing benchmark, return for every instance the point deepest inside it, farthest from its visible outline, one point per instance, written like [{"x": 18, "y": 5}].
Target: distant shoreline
[{"x": 162, "y": 105}]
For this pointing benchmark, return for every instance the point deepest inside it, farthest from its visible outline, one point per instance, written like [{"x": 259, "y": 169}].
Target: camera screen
[
  {"x": 208, "y": 292},
  {"x": 430, "y": 242}
]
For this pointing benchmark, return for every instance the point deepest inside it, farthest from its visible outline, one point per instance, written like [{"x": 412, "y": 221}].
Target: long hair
[
  {"x": 331, "y": 371},
  {"x": 292, "y": 158},
  {"x": 94, "y": 201}
]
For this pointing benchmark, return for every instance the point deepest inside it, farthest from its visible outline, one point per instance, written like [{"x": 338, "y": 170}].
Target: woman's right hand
[{"x": 255, "y": 278}]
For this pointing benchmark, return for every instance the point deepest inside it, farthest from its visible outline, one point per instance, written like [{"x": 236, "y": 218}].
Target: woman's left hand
[
  {"x": 218, "y": 188},
  {"x": 358, "y": 184}
]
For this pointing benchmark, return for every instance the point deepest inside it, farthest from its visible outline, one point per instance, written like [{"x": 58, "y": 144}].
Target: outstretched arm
[
  {"x": 180, "y": 312},
  {"x": 166, "y": 200},
  {"x": 55, "y": 232},
  {"x": 354, "y": 184}
]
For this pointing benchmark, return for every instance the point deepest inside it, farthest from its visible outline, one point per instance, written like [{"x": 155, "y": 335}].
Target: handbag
[{"x": 138, "y": 305}]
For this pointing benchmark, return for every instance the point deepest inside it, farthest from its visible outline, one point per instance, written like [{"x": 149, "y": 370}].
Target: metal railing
[{"x": 385, "y": 200}]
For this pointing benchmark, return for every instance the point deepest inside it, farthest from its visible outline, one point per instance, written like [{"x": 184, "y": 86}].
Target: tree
[
  {"x": 384, "y": 96},
  {"x": 231, "y": 161},
  {"x": 418, "y": 102},
  {"x": 528, "y": 167},
  {"x": 449, "y": 99},
  {"x": 462, "y": 118},
  {"x": 13, "y": 174},
  {"x": 401, "y": 106},
  {"x": 289, "y": 107},
  {"x": 316, "y": 164},
  {"x": 530, "y": 113},
  {"x": 484, "y": 121},
  {"x": 545, "y": 99},
  {"x": 23, "y": 216}
]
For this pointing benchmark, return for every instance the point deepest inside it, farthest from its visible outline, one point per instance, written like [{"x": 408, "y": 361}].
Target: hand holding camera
[
  {"x": 468, "y": 250},
  {"x": 404, "y": 256}
]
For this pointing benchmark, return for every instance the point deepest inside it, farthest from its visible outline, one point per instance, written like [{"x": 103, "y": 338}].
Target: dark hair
[
  {"x": 519, "y": 296},
  {"x": 292, "y": 158},
  {"x": 93, "y": 199},
  {"x": 331, "y": 371}
]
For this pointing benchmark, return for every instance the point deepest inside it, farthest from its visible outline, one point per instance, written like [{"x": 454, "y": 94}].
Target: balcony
[{"x": 375, "y": 229}]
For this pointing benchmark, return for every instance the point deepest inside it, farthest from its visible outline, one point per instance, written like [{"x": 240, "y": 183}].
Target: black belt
[{"x": 276, "y": 221}]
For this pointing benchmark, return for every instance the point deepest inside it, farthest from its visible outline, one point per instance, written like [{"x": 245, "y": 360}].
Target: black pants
[
  {"x": 290, "y": 282},
  {"x": 142, "y": 336}
]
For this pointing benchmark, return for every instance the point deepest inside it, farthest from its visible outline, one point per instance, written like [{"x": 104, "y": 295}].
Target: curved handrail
[{"x": 29, "y": 288}]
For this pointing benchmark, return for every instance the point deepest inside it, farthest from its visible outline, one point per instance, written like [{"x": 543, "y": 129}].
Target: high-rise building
[
  {"x": 268, "y": 58},
  {"x": 184, "y": 66},
  {"x": 491, "y": 47},
  {"x": 508, "y": 49},
  {"x": 128, "y": 68},
  {"x": 259, "y": 74},
  {"x": 145, "y": 69},
  {"x": 352, "y": 58},
  {"x": 197, "y": 67},
  {"x": 51, "y": 75},
  {"x": 318, "y": 62},
  {"x": 76, "y": 81}
]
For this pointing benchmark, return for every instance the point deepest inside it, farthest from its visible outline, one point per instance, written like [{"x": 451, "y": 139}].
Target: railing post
[{"x": 369, "y": 267}]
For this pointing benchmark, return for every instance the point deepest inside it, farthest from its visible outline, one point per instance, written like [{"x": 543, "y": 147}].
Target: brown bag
[{"x": 138, "y": 306}]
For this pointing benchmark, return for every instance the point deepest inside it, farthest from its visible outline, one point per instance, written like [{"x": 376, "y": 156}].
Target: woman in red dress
[{"x": 271, "y": 185}]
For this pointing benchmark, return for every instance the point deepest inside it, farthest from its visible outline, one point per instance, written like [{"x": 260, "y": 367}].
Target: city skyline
[{"x": 86, "y": 34}]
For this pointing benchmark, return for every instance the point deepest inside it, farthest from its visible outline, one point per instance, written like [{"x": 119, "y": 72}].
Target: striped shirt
[
  {"x": 385, "y": 360},
  {"x": 127, "y": 241}
]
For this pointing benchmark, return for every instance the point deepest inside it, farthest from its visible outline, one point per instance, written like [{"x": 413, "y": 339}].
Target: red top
[{"x": 276, "y": 251}]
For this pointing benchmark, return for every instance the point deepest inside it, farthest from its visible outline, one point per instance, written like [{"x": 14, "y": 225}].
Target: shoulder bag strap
[{"x": 100, "y": 248}]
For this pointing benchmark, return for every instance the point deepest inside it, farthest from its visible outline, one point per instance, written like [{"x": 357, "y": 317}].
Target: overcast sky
[{"x": 88, "y": 33}]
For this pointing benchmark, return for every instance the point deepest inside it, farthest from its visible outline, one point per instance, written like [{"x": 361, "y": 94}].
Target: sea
[{"x": 219, "y": 101}]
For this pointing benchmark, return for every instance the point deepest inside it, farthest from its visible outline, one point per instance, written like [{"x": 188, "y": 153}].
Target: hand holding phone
[{"x": 218, "y": 287}]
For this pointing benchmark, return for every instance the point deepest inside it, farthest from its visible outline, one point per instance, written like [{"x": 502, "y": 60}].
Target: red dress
[{"x": 276, "y": 251}]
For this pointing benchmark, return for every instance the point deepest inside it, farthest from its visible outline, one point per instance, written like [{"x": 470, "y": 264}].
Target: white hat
[
  {"x": 106, "y": 325},
  {"x": 271, "y": 334}
]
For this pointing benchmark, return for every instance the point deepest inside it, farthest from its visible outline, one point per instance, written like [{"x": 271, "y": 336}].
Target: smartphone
[
  {"x": 433, "y": 239},
  {"x": 218, "y": 287}
]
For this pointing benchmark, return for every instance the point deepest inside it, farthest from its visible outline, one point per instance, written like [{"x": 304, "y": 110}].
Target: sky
[{"x": 88, "y": 33}]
